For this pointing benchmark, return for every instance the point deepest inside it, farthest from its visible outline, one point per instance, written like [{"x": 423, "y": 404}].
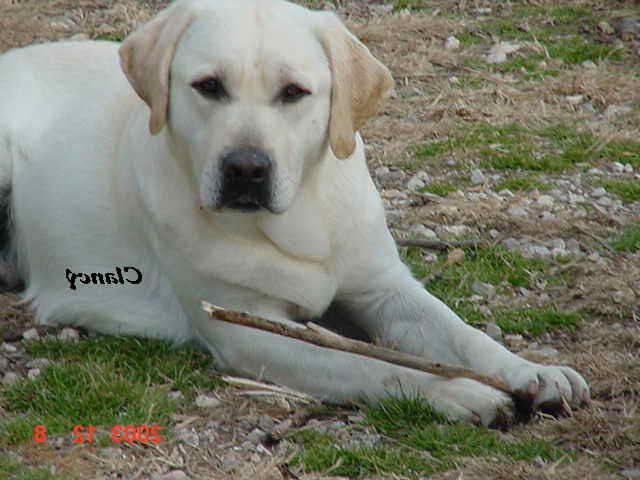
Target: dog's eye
[
  {"x": 211, "y": 88},
  {"x": 292, "y": 93}
]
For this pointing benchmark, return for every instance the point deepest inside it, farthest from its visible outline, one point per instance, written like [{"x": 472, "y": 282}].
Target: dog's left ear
[
  {"x": 146, "y": 56},
  {"x": 359, "y": 83}
]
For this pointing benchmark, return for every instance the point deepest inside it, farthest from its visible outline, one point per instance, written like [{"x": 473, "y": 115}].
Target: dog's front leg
[
  {"x": 338, "y": 376},
  {"x": 397, "y": 311}
]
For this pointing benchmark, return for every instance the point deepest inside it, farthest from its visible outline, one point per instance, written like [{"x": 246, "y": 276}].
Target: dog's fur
[{"x": 96, "y": 177}]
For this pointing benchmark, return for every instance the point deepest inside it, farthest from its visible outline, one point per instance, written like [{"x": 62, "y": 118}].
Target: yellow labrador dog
[{"x": 215, "y": 155}]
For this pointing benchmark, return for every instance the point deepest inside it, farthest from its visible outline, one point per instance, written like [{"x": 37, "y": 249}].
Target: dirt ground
[{"x": 425, "y": 107}]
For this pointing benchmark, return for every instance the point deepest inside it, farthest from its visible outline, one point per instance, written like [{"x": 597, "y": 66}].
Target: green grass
[
  {"x": 503, "y": 269},
  {"x": 409, "y": 5},
  {"x": 417, "y": 442},
  {"x": 535, "y": 321},
  {"x": 628, "y": 240},
  {"x": 112, "y": 37},
  {"x": 493, "y": 265},
  {"x": 627, "y": 190},
  {"x": 412, "y": 421},
  {"x": 11, "y": 469},
  {"x": 440, "y": 188},
  {"x": 554, "y": 148},
  {"x": 522, "y": 183},
  {"x": 105, "y": 381},
  {"x": 323, "y": 453},
  {"x": 138, "y": 360},
  {"x": 556, "y": 29}
]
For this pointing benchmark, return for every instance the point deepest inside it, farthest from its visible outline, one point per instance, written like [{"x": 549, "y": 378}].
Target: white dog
[{"x": 235, "y": 175}]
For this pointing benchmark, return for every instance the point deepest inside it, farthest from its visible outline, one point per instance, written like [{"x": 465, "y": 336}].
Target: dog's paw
[
  {"x": 471, "y": 401},
  {"x": 547, "y": 387}
]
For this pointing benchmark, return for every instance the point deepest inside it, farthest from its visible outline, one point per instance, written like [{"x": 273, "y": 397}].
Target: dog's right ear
[
  {"x": 146, "y": 56},
  {"x": 359, "y": 83}
]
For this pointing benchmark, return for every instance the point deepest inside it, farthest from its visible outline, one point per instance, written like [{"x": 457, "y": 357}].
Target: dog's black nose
[
  {"x": 246, "y": 174},
  {"x": 246, "y": 166}
]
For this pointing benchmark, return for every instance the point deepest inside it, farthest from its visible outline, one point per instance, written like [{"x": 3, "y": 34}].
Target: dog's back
[{"x": 63, "y": 110}]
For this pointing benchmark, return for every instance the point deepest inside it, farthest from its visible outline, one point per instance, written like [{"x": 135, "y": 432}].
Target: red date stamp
[{"x": 119, "y": 433}]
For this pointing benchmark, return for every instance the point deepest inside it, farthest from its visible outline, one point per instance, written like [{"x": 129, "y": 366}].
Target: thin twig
[
  {"x": 437, "y": 244},
  {"x": 338, "y": 342},
  {"x": 267, "y": 388}
]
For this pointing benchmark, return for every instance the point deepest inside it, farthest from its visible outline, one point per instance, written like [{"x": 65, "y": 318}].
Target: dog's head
[{"x": 254, "y": 93}]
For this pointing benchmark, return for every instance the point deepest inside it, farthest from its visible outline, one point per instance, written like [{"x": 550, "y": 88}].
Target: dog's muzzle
[{"x": 246, "y": 179}]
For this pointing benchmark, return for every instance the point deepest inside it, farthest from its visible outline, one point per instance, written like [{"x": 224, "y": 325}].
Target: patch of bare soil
[{"x": 427, "y": 105}]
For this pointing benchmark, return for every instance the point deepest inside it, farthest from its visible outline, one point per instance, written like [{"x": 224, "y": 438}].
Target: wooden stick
[
  {"x": 436, "y": 244},
  {"x": 315, "y": 334}
]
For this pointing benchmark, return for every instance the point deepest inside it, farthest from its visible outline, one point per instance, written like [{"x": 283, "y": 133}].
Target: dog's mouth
[{"x": 244, "y": 203}]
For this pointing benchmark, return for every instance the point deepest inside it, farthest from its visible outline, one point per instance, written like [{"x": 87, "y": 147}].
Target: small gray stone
[
  {"x": 206, "y": 401},
  {"x": 482, "y": 288},
  {"x": 630, "y": 472},
  {"x": 69, "y": 334},
  {"x": 229, "y": 462},
  {"x": 188, "y": 436},
  {"x": 393, "y": 216},
  {"x": 628, "y": 168},
  {"x": 38, "y": 363},
  {"x": 31, "y": 334},
  {"x": 604, "y": 201},
  {"x": 10, "y": 378},
  {"x": 266, "y": 422},
  {"x": 557, "y": 243},
  {"x": 615, "y": 110},
  {"x": 573, "y": 245},
  {"x": 589, "y": 65},
  {"x": 514, "y": 338},
  {"x": 390, "y": 176},
  {"x": 477, "y": 177},
  {"x": 579, "y": 213},
  {"x": 415, "y": 183},
  {"x": 498, "y": 52},
  {"x": 177, "y": 395},
  {"x": 423, "y": 231},
  {"x": 256, "y": 436},
  {"x": 363, "y": 440},
  {"x": 494, "y": 331},
  {"x": 111, "y": 452},
  {"x": 598, "y": 192},
  {"x": 547, "y": 352},
  {"x": 617, "y": 167},
  {"x": 517, "y": 211},
  {"x": 33, "y": 373},
  {"x": 510, "y": 243},
  {"x": 429, "y": 257},
  {"x": 394, "y": 193},
  {"x": 545, "y": 201},
  {"x": 493, "y": 233},
  {"x": 455, "y": 230},
  {"x": 79, "y": 37},
  {"x": 574, "y": 99},
  {"x": 381, "y": 171},
  {"x": 4, "y": 364},
  {"x": 8, "y": 347},
  {"x": 172, "y": 475},
  {"x": 536, "y": 251},
  {"x": 424, "y": 176},
  {"x": 452, "y": 43},
  {"x": 576, "y": 198}
]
